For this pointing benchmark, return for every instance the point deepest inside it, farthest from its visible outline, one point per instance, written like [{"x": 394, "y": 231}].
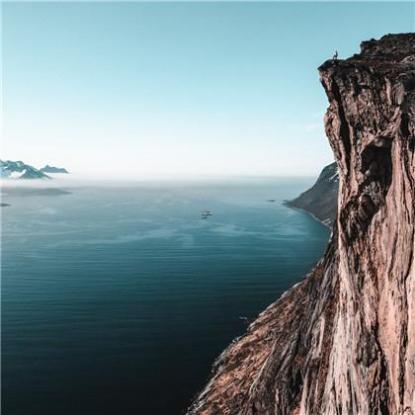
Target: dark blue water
[{"x": 116, "y": 300}]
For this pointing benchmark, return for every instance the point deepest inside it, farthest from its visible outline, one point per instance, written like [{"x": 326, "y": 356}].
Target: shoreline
[{"x": 287, "y": 203}]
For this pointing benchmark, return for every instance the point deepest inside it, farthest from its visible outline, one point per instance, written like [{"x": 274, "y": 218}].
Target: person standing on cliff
[{"x": 335, "y": 56}]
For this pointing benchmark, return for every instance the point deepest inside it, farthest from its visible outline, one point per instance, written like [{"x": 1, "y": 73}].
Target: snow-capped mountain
[
  {"x": 53, "y": 169},
  {"x": 19, "y": 170}
]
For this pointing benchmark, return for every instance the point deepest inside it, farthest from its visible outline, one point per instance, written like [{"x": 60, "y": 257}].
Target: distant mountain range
[
  {"x": 20, "y": 170},
  {"x": 52, "y": 169},
  {"x": 321, "y": 199}
]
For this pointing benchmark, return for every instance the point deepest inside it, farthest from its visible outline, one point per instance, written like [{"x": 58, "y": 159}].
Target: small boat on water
[
  {"x": 271, "y": 200},
  {"x": 204, "y": 214}
]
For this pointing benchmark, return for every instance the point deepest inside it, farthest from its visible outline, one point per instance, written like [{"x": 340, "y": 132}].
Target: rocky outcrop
[
  {"x": 343, "y": 340},
  {"x": 321, "y": 199}
]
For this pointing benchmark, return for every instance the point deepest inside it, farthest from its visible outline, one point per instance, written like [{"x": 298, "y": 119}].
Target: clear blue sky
[{"x": 184, "y": 88}]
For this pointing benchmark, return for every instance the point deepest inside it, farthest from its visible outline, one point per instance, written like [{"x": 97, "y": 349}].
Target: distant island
[{"x": 20, "y": 170}]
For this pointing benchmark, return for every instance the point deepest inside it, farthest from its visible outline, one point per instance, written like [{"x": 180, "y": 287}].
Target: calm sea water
[{"x": 117, "y": 299}]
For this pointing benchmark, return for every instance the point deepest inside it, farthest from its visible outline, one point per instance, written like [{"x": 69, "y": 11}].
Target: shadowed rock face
[{"x": 343, "y": 340}]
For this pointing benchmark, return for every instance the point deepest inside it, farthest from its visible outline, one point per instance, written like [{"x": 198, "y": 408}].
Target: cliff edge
[{"x": 343, "y": 340}]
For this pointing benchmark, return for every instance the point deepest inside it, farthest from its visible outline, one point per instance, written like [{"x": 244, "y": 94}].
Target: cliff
[
  {"x": 343, "y": 340},
  {"x": 321, "y": 199}
]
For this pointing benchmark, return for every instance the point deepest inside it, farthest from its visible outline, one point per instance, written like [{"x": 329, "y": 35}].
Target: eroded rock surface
[{"x": 343, "y": 340}]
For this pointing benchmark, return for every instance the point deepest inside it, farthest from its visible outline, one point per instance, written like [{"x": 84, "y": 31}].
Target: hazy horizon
[
  {"x": 149, "y": 90},
  {"x": 81, "y": 180}
]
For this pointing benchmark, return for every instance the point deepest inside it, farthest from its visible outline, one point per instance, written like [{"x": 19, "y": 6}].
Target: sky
[{"x": 140, "y": 89}]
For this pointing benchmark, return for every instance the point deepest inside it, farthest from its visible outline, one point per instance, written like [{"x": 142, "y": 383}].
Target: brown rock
[{"x": 343, "y": 340}]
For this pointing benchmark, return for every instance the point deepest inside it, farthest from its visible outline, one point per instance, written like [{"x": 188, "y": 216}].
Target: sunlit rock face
[{"x": 343, "y": 340}]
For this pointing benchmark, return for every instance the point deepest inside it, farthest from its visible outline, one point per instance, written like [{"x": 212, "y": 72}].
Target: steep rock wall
[{"x": 343, "y": 340}]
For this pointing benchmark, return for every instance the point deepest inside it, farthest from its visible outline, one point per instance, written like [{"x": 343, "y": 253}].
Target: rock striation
[
  {"x": 342, "y": 341},
  {"x": 320, "y": 200}
]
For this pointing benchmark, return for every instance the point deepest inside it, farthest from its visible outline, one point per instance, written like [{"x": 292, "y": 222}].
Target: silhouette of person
[{"x": 335, "y": 56}]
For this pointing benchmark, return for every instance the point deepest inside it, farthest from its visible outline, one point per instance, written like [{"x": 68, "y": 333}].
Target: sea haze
[{"x": 117, "y": 299}]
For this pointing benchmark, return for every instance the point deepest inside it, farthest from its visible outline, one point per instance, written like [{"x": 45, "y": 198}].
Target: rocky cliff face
[
  {"x": 321, "y": 199},
  {"x": 343, "y": 340}
]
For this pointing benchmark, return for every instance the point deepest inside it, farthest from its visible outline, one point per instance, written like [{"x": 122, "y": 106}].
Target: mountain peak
[
  {"x": 53, "y": 169},
  {"x": 19, "y": 170}
]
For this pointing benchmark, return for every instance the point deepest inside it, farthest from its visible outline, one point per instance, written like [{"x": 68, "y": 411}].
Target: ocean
[{"x": 117, "y": 298}]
